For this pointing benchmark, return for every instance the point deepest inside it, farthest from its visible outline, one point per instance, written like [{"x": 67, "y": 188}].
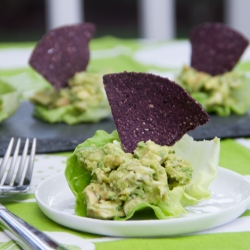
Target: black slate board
[
  {"x": 51, "y": 138},
  {"x": 61, "y": 137}
]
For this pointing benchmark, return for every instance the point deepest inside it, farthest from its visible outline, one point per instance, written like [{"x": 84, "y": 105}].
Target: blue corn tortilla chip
[
  {"x": 216, "y": 48},
  {"x": 62, "y": 52},
  {"x": 150, "y": 107}
]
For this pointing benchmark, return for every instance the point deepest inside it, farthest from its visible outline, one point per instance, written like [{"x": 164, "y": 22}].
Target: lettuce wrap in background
[
  {"x": 84, "y": 100},
  {"x": 9, "y": 101},
  {"x": 202, "y": 155},
  {"x": 222, "y": 94}
]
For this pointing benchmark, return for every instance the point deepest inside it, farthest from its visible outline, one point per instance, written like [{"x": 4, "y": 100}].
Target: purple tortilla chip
[
  {"x": 62, "y": 52},
  {"x": 149, "y": 107},
  {"x": 216, "y": 48}
]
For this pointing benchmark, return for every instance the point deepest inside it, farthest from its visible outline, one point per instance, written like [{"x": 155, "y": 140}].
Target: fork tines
[{"x": 16, "y": 171}]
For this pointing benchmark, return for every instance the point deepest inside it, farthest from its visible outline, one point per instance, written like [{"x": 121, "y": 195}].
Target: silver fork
[{"x": 16, "y": 178}]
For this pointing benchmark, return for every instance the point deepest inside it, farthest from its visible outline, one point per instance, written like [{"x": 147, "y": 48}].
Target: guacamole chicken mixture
[
  {"x": 80, "y": 92},
  {"x": 222, "y": 94},
  {"x": 84, "y": 100},
  {"x": 120, "y": 181}
]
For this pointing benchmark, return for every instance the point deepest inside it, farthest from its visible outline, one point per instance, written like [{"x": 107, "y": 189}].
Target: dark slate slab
[
  {"x": 50, "y": 137},
  {"x": 62, "y": 137}
]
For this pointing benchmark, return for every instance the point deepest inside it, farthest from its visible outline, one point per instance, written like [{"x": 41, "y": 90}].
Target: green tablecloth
[{"x": 114, "y": 55}]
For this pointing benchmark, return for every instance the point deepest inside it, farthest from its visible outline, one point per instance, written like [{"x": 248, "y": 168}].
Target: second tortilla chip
[
  {"x": 216, "y": 48},
  {"x": 62, "y": 52},
  {"x": 149, "y": 107}
]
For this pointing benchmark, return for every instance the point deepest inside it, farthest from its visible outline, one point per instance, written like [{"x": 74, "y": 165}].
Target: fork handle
[{"x": 25, "y": 235}]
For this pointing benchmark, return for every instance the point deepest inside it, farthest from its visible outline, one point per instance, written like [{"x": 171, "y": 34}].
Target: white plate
[{"x": 230, "y": 198}]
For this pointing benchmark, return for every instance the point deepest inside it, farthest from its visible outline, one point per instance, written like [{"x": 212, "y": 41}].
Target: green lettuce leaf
[
  {"x": 70, "y": 115},
  {"x": 203, "y": 156},
  {"x": 241, "y": 95},
  {"x": 78, "y": 178},
  {"x": 9, "y": 101},
  {"x": 26, "y": 81}
]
